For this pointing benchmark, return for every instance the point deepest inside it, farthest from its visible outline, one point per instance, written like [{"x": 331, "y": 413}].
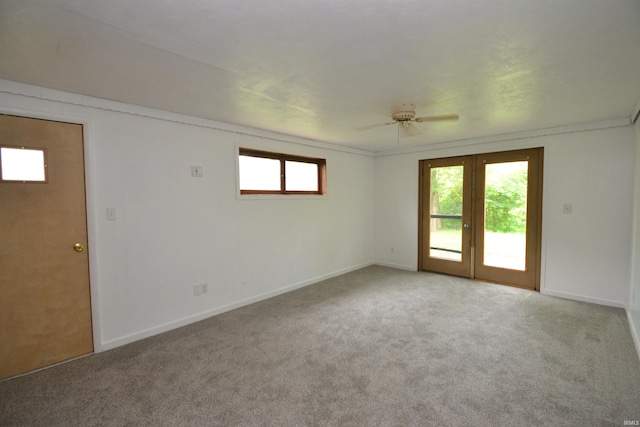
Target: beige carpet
[{"x": 376, "y": 347}]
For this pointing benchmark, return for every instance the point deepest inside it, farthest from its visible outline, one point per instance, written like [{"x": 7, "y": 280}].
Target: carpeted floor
[{"x": 376, "y": 347}]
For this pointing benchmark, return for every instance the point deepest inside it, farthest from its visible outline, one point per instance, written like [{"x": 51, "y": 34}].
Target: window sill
[{"x": 280, "y": 196}]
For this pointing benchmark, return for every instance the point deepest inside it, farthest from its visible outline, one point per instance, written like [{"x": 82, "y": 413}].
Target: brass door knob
[{"x": 78, "y": 247}]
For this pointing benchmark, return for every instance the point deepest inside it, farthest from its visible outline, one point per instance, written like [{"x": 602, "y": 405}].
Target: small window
[
  {"x": 259, "y": 173},
  {"x": 23, "y": 164},
  {"x": 263, "y": 172}
]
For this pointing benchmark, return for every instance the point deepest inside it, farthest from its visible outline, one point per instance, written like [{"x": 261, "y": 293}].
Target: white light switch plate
[{"x": 111, "y": 214}]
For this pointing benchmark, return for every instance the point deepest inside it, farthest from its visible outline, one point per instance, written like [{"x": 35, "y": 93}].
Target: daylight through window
[
  {"x": 20, "y": 164},
  {"x": 263, "y": 172}
]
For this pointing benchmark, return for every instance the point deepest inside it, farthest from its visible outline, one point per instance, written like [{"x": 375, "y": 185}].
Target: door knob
[
  {"x": 78, "y": 247},
  {"x": 466, "y": 225}
]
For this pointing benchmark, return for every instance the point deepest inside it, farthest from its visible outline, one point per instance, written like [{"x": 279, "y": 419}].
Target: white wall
[
  {"x": 634, "y": 297},
  {"x": 174, "y": 231},
  {"x": 586, "y": 255}
]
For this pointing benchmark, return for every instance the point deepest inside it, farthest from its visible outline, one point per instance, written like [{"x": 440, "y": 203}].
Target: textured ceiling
[{"x": 323, "y": 69}]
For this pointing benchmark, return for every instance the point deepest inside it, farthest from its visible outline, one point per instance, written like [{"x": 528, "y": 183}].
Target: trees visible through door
[
  {"x": 505, "y": 215},
  {"x": 445, "y": 209},
  {"x": 446, "y": 213},
  {"x": 497, "y": 197}
]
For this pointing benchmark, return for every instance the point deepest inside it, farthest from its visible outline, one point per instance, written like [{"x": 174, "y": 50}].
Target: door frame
[
  {"x": 423, "y": 208},
  {"x": 90, "y": 197}
]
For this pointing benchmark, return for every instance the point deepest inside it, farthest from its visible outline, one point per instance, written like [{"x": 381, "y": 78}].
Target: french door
[{"x": 480, "y": 216}]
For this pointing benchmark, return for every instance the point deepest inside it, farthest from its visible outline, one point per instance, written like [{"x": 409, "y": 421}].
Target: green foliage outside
[
  {"x": 446, "y": 196},
  {"x": 505, "y": 193}
]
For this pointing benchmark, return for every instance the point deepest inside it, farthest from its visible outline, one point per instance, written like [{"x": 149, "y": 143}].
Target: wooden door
[
  {"x": 507, "y": 217},
  {"x": 45, "y": 308},
  {"x": 481, "y": 216},
  {"x": 446, "y": 233}
]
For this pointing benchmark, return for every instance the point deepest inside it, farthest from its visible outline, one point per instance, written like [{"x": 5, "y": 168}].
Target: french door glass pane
[
  {"x": 445, "y": 209},
  {"x": 505, "y": 215}
]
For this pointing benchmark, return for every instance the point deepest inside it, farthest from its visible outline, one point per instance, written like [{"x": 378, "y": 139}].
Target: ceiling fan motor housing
[{"x": 404, "y": 113}]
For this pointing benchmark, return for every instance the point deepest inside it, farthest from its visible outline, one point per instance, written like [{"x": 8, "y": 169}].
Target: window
[
  {"x": 263, "y": 172},
  {"x": 23, "y": 164}
]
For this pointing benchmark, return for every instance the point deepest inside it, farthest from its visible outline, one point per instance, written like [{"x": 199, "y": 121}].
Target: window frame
[{"x": 283, "y": 158}]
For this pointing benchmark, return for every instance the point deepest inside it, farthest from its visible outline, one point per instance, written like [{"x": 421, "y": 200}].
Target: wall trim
[
  {"x": 45, "y": 94},
  {"x": 582, "y": 298},
  {"x": 29, "y": 91},
  {"x": 146, "y": 333},
  {"x": 396, "y": 266},
  {"x": 635, "y": 114},
  {"x": 634, "y": 332},
  {"x": 447, "y": 145}
]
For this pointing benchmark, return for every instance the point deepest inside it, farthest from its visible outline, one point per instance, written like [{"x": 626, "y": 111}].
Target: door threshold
[{"x": 506, "y": 284}]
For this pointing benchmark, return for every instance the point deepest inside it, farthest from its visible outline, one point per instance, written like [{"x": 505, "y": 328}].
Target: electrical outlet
[
  {"x": 196, "y": 171},
  {"x": 200, "y": 289}
]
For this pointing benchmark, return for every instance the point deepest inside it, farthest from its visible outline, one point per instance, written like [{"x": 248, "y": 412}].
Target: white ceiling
[{"x": 322, "y": 69}]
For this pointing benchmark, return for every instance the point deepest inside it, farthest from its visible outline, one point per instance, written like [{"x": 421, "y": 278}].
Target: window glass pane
[
  {"x": 445, "y": 231},
  {"x": 505, "y": 215},
  {"x": 258, "y": 173},
  {"x": 20, "y": 164},
  {"x": 301, "y": 176}
]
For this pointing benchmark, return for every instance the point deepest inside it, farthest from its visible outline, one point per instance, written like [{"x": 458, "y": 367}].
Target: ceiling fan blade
[
  {"x": 442, "y": 118},
  {"x": 409, "y": 130},
  {"x": 377, "y": 125}
]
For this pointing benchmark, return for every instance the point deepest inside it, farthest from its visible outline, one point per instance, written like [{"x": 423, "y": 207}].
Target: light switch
[
  {"x": 196, "y": 171},
  {"x": 111, "y": 214},
  {"x": 566, "y": 208}
]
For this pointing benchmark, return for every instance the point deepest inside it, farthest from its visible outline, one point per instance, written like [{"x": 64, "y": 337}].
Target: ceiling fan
[{"x": 404, "y": 116}]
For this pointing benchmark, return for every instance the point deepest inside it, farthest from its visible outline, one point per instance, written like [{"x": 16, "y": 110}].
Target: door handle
[
  {"x": 78, "y": 247},
  {"x": 466, "y": 225}
]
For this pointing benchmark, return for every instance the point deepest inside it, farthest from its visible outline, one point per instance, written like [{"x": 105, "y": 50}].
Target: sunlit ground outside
[
  {"x": 446, "y": 239},
  {"x": 504, "y": 250}
]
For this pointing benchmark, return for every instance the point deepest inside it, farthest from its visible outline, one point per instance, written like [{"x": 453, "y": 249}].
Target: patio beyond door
[{"x": 480, "y": 216}]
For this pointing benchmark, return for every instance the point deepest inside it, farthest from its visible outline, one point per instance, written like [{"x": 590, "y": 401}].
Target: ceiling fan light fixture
[
  {"x": 404, "y": 116},
  {"x": 404, "y": 113}
]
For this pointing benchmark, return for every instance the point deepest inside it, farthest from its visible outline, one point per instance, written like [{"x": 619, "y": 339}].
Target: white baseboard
[
  {"x": 576, "y": 297},
  {"x": 634, "y": 332},
  {"x": 127, "y": 339},
  {"x": 398, "y": 266},
  {"x": 146, "y": 333}
]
